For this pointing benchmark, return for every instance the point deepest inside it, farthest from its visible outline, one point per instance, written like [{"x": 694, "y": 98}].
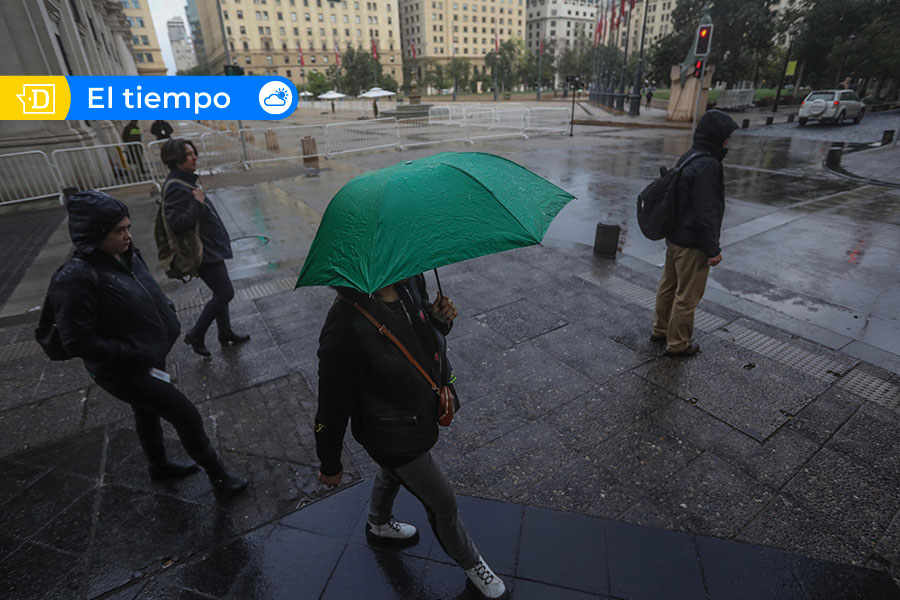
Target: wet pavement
[{"x": 590, "y": 464}]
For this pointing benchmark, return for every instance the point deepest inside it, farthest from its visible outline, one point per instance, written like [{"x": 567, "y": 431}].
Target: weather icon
[{"x": 276, "y": 98}]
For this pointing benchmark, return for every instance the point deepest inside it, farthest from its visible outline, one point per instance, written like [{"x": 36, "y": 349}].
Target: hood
[
  {"x": 713, "y": 129},
  {"x": 93, "y": 214}
]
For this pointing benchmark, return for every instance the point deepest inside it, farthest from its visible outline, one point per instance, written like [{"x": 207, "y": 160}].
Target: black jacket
[
  {"x": 183, "y": 212},
  {"x": 701, "y": 189},
  {"x": 161, "y": 129},
  {"x": 115, "y": 318},
  {"x": 364, "y": 377}
]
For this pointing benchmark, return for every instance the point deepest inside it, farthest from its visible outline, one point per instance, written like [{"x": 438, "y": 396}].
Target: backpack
[
  {"x": 179, "y": 254},
  {"x": 46, "y": 334},
  {"x": 657, "y": 205}
]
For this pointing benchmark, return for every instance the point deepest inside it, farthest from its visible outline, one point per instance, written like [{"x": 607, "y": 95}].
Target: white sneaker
[
  {"x": 485, "y": 581},
  {"x": 392, "y": 532}
]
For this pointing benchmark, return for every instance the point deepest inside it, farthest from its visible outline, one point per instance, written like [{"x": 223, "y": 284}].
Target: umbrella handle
[{"x": 438, "y": 279}]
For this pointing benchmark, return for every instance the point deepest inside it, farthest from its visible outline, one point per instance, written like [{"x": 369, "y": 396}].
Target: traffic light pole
[
  {"x": 228, "y": 62},
  {"x": 699, "y": 92}
]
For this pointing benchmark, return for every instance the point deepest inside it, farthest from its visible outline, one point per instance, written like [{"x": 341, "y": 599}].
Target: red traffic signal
[
  {"x": 704, "y": 37},
  {"x": 698, "y": 68}
]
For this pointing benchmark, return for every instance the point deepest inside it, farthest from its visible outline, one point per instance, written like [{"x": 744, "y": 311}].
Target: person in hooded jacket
[
  {"x": 186, "y": 205},
  {"x": 111, "y": 313},
  {"x": 393, "y": 412},
  {"x": 693, "y": 247}
]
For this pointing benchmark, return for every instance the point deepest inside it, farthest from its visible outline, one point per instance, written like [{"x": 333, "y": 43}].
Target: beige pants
[{"x": 680, "y": 289}]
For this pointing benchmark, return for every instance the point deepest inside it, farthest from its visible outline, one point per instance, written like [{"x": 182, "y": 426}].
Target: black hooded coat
[
  {"x": 112, "y": 316},
  {"x": 701, "y": 189}
]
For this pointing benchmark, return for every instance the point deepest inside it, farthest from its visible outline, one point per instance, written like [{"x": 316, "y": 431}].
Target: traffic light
[
  {"x": 234, "y": 70},
  {"x": 704, "y": 37},
  {"x": 698, "y": 68}
]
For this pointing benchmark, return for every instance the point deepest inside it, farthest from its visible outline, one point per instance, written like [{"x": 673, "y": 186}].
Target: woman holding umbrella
[{"x": 394, "y": 412}]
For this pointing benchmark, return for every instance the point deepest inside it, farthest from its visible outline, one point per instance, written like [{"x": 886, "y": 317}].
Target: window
[
  {"x": 293, "y": 16},
  {"x": 243, "y": 30},
  {"x": 247, "y": 60},
  {"x": 225, "y": 14},
  {"x": 269, "y": 59},
  {"x": 149, "y": 56},
  {"x": 306, "y": 16},
  {"x": 246, "y": 46},
  {"x": 258, "y": 16},
  {"x": 240, "y": 14},
  {"x": 280, "y": 16}
]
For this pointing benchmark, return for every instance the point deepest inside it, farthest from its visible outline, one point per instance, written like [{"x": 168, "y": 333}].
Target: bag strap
[
  {"x": 383, "y": 330},
  {"x": 690, "y": 158},
  {"x": 174, "y": 180}
]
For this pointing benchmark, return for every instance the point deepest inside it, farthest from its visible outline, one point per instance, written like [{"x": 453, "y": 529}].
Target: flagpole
[
  {"x": 496, "y": 64},
  {"x": 635, "y": 109},
  {"x": 540, "y": 63}
]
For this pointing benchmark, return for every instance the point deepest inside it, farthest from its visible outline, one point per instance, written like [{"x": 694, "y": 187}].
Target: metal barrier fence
[
  {"x": 422, "y": 131},
  {"x": 283, "y": 143},
  {"x": 27, "y": 176},
  {"x": 103, "y": 167},
  {"x": 356, "y": 136},
  {"x": 355, "y": 105},
  {"x": 735, "y": 98},
  {"x": 33, "y": 175}
]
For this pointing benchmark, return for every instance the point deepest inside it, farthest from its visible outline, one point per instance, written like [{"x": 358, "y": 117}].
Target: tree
[
  {"x": 458, "y": 71},
  {"x": 198, "y": 70},
  {"x": 317, "y": 83},
  {"x": 742, "y": 36},
  {"x": 360, "y": 71},
  {"x": 508, "y": 64}
]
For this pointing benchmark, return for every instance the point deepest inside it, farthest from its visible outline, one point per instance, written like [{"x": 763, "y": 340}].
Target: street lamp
[
  {"x": 791, "y": 35},
  {"x": 635, "y": 108}
]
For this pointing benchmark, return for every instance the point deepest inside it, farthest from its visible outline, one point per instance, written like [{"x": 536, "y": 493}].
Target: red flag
[
  {"x": 412, "y": 45},
  {"x": 374, "y": 50},
  {"x": 632, "y": 4},
  {"x": 496, "y": 42},
  {"x": 337, "y": 54},
  {"x": 597, "y": 34},
  {"x": 300, "y": 52},
  {"x": 621, "y": 9}
]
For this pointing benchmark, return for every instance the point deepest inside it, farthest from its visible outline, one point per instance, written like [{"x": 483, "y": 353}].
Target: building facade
[
  {"x": 560, "y": 23},
  {"x": 147, "y": 53},
  {"x": 51, "y": 37},
  {"x": 630, "y": 29},
  {"x": 265, "y": 37},
  {"x": 467, "y": 29},
  {"x": 182, "y": 47}
]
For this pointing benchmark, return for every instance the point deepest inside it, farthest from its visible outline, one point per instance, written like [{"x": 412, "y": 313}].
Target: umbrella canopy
[
  {"x": 305, "y": 93},
  {"x": 387, "y": 225},
  {"x": 377, "y": 92},
  {"x": 331, "y": 95}
]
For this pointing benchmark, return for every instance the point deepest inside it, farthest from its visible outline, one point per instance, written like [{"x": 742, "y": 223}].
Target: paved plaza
[{"x": 589, "y": 464}]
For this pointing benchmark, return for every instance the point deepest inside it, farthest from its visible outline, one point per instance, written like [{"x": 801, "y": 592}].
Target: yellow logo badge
[{"x": 28, "y": 98}]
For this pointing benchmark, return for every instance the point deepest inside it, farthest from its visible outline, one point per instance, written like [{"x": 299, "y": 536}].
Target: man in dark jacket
[
  {"x": 694, "y": 245},
  {"x": 132, "y": 133},
  {"x": 161, "y": 129},
  {"x": 111, "y": 313}
]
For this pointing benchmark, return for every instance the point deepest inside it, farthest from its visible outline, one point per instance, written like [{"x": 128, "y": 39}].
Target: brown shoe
[
  {"x": 657, "y": 339},
  {"x": 692, "y": 348}
]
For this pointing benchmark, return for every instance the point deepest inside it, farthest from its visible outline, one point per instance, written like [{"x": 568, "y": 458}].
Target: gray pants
[{"x": 425, "y": 480}]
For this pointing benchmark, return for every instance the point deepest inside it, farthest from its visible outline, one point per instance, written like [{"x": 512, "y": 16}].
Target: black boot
[
  {"x": 196, "y": 342},
  {"x": 172, "y": 470},
  {"x": 227, "y": 483},
  {"x": 230, "y": 337}
]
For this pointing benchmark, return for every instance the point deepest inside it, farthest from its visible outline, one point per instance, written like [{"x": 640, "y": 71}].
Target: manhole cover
[{"x": 249, "y": 242}]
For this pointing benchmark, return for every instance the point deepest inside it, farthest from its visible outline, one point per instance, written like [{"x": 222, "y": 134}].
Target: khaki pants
[{"x": 680, "y": 289}]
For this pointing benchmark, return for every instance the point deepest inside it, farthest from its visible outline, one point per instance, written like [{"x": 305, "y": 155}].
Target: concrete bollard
[
  {"x": 769, "y": 120},
  {"x": 606, "y": 240},
  {"x": 833, "y": 160},
  {"x": 745, "y": 124},
  {"x": 791, "y": 118},
  {"x": 887, "y": 137}
]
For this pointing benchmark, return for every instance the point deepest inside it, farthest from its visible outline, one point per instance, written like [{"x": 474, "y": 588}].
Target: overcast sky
[{"x": 162, "y": 11}]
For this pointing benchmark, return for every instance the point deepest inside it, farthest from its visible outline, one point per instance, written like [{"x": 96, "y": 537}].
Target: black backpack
[
  {"x": 657, "y": 205},
  {"x": 46, "y": 334}
]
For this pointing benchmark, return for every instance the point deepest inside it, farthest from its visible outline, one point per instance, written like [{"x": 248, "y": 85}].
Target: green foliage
[
  {"x": 359, "y": 71},
  {"x": 198, "y": 70},
  {"x": 317, "y": 83},
  {"x": 508, "y": 66}
]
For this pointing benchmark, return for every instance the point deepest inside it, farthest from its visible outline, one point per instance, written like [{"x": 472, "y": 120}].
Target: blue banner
[{"x": 181, "y": 97}]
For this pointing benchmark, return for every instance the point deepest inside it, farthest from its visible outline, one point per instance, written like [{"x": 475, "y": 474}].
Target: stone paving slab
[{"x": 585, "y": 417}]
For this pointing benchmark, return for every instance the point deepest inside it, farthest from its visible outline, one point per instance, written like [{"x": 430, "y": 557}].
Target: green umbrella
[{"x": 390, "y": 224}]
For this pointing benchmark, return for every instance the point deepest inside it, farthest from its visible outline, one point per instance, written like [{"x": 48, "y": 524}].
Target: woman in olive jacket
[
  {"x": 393, "y": 412},
  {"x": 111, "y": 313}
]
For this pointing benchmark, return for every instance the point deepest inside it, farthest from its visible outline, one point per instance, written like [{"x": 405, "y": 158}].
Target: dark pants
[
  {"x": 152, "y": 399},
  {"x": 215, "y": 276}
]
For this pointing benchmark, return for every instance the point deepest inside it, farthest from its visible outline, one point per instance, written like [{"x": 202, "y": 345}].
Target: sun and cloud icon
[{"x": 275, "y": 98}]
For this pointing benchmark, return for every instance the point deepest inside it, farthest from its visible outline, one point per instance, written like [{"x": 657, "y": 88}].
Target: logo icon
[
  {"x": 38, "y": 98},
  {"x": 275, "y": 98}
]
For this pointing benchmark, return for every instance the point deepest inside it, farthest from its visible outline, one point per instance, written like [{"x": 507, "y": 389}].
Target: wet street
[{"x": 589, "y": 465}]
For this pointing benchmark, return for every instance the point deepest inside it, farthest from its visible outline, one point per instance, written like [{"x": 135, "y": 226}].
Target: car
[{"x": 831, "y": 105}]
